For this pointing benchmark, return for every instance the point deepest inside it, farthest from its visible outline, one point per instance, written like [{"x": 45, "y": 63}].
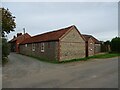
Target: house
[
  {"x": 59, "y": 45},
  {"x": 93, "y": 46},
  {"x": 14, "y": 43}
]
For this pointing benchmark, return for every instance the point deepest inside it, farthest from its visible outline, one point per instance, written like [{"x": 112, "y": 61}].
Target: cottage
[
  {"x": 93, "y": 46},
  {"x": 14, "y": 43},
  {"x": 63, "y": 44}
]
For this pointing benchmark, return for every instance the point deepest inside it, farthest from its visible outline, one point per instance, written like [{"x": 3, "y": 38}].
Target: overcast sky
[{"x": 99, "y": 19}]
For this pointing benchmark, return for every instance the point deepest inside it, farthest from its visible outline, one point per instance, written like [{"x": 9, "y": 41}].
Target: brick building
[
  {"x": 63, "y": 44},
  {"x": 93, "y": 46},
  {"x": 14, "y": 43}
]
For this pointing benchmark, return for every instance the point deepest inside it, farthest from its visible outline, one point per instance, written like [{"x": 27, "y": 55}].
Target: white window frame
[
  {"x": 33, "y": 46},
  {"x": 91, "y": 49},
  {"x": 26, "y": 45},
  {"x": 91, "y": 43},
  {"x": 42, "y": 47}
]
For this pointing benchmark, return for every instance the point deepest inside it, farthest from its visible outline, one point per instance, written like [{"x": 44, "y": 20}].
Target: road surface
[{"x": 26, "y": 72}]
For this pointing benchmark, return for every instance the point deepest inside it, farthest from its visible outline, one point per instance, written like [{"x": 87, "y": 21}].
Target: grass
[
  {"x": 107, "y": 55},
  {"x": 99, "y": 56},
  {"x": 72, "y": 60}
]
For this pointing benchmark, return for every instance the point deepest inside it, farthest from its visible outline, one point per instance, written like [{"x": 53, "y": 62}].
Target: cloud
[
  {"x": 60, "y": 1},
  {"x": 97, "y": 18}
]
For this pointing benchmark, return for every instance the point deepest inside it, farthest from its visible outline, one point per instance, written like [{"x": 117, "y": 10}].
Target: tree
[
  {"x": 115, "y": 44},
  {"x": 8, "y": 21},
  {"x": 107, "y": 42},
  {"x": 7, "y": 24}
]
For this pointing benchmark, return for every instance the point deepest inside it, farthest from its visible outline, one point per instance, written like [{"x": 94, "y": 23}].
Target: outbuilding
[
  {"x": 60, "y": 45},
  {"x": 15, "y": 42},
  {"x": 93, "y": 45}
]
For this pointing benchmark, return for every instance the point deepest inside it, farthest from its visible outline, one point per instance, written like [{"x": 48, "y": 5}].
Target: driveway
[{"x": 26, "y": 72}]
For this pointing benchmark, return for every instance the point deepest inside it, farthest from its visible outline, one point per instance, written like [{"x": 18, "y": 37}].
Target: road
[{"x": 26, "y": 72}]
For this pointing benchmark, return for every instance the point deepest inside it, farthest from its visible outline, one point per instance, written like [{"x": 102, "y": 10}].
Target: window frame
[
  {"x": 33, "y": 46},
  {"x": 26, "y": 45},
  {"x": 91, "y": 49},
  {"x": 42, "y": 47},
  {"x": 91, "y": 43}
]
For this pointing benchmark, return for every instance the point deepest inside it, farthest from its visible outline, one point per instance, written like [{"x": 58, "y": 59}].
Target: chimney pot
[
  {"x": 14, "y": 36},
  {"x": 19, "y": 34}
]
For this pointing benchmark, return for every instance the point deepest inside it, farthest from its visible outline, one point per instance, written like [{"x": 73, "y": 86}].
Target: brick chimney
[
  {"x": 14, "y": 36},
  {"x": 19, "y": 34}
]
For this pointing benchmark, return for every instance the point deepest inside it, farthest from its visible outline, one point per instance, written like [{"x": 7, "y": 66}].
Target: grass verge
[
  {"x": 107, "y": 55},
  {"x": 99, "y": 56}
]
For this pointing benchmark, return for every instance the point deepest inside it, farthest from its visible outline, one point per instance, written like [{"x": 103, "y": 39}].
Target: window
[
  {"x": 90, "y": 43},
  {"x": 33, "y": 47},
  {"x": 25, "y": 45},
  {"x": 42, "y": 47},
  {"x": 91, "y": 49}
]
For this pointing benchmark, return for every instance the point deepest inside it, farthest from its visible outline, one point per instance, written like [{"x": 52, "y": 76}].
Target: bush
[
  {"x": 5, "y": 50},
  {"x": 4, "y": 60}
]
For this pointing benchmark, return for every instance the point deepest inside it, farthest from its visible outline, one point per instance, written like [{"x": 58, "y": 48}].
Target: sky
[{"x": 99, "y": 19}]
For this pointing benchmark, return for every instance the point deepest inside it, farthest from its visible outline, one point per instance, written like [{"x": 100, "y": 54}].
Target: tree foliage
[
  {"x": 107, "y": 42},
  {"x": 115, "y": 44},
  {"x": 8, "y": 21},
  {"x": 7, "y": 24}
]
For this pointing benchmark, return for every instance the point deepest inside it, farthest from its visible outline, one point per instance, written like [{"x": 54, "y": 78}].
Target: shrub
[{"x": 5, "y": 50}]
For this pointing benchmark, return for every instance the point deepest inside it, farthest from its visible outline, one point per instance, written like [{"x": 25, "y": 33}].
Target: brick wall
[
  {"x": 50, "y": 50},
  {"x": 72, "y": 46},
  {"x": 91, "y": 46},
  {"x": 19, "y": 40},
  {"x": 97, "y": 48}
]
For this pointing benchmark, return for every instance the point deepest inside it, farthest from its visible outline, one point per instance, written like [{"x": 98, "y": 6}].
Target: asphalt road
[{"x": 26, "y": 72}]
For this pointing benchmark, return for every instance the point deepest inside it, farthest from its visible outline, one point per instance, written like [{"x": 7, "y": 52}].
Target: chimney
[
  {"x": 14, "y": 36},
  {"x": 19, "y": 34}
]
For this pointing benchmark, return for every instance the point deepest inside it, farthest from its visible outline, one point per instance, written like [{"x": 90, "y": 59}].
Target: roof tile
[
  {"x": 49, "y": 36},
  {"x": 87, "y": 37},
  {"x": 26, "y": 35}
]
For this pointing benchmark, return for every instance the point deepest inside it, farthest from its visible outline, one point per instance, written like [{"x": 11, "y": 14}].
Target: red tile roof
[
  {"x": 26, "y": 35},
  {"x": 49, "y": 36},
  {"x": 87, "y": 37}
]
